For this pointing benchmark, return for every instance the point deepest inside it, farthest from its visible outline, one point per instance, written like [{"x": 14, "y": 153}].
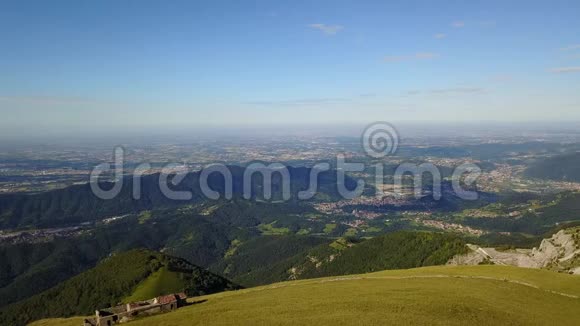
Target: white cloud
[
  {"x": 458, "y": 90},
  {"x": 38, "y": 99},
  {"x": 327, "y": 29},
  {"x": 571, "y": 47},
  {"x": 458, "y": 24},
  {"x": 501, "y": 78},
  {"x": 487, "y": 23},
  {"x": 440, "y": 35},
  {"x": 416, "y": 56},
  {"x": 395, "y": 58},
  {"x": 563, "y": 70},
  {"x": 447, "y": 91},
  {"x": 426, "y": 55},
  {"x": 298, "y": 102}
]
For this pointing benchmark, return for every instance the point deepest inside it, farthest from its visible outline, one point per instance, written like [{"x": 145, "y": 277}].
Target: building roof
[{"x": 165, "y": 299}]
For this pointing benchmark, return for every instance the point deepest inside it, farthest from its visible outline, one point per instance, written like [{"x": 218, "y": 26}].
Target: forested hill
[
  {"x": 398, "y": 250},
  {"x": 77, "y": 204},
  {"x": 561, "y": 168},
  {"x": 129, "y": 276}
]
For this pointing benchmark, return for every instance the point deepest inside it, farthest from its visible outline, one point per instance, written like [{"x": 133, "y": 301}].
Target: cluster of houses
[{"x": 126, "y": 312}]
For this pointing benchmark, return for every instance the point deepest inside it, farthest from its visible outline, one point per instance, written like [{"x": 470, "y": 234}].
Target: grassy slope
[
  {"x": 162, "y": 281},
  {"x": 93, "y": 289},
  {"x": 432, "y": 295}
]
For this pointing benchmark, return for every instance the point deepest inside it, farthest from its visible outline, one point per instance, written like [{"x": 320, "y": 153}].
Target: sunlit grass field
[
  {"x": 154, "y": 285},
  {"x": 488, "y": 295}
]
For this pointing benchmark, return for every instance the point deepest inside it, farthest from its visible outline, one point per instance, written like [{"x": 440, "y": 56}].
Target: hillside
[
  {"x": 562, "y": 168},
  {"x": 188, "y": 232},
  {"x": 77, "y": 204},
  {"x": 443, "y": 295},
  {"x": 28, "y": 269},
  {"x": 538, "y": 216},
  {"x": 251, "y": 266},
  {"x": 560, "y": 252},
  {"x": 125, "y": 277}
]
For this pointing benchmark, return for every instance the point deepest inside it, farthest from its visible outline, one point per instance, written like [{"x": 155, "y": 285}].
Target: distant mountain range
[
  {"x": 559, "y": 168},
  {"x": 77, "y": 204}
]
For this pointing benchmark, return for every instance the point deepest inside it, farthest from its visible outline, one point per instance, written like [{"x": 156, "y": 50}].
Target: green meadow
[
  {"x": 443, "y": 295},
  {"x": 161, "y": 282}
]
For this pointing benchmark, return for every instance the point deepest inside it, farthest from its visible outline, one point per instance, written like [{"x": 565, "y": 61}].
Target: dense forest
[
  {"x": 395, "y": 250},
  {"x": 565, "y": 208},
  {"x": 561, "y": 168},
  {"x": 109, "y": 283}
]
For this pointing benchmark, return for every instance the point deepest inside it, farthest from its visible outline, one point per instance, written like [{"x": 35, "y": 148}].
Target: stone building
[{"x": 123, "y": 313}]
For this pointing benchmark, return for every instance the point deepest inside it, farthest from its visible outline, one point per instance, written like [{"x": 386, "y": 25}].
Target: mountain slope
[
  {"x": 395, "y": 250},
  {"x": 28, "y": 269},
  {"x": 442, "y": 295},
  {"x": 560, "y": 252},
  {"x": 159, "y": 282},
  {"x": 122, "y": 277},
  {"x": 562, "y": 168},
  {"x": 77, "y": 204}
]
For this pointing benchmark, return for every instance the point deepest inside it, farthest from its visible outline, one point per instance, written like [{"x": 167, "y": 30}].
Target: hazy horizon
[{"x": 538, "y": 130}]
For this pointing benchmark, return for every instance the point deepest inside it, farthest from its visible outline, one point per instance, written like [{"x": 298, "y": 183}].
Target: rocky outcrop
[
  {"x": 561, "y": 252},
  {"x": 560, "y": 248}
]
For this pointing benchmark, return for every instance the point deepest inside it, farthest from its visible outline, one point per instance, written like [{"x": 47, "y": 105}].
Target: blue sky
[{"x": 78, "y": 65}]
